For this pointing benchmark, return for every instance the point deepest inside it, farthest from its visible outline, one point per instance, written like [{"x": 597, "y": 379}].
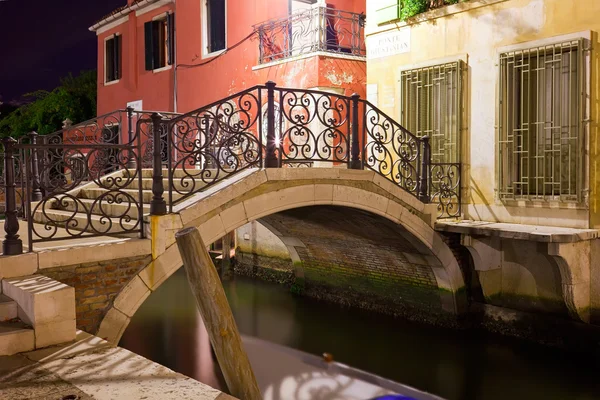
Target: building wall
[
  {"x": 201, "y": 79},
  {"x": 154, "y": 88},
  {"x": 474, "y": 32}
]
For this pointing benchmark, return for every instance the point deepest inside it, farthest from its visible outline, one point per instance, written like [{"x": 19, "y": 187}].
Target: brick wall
[
  {"x": 96, "y": 285},
  {"x": 353, "y": 256}
]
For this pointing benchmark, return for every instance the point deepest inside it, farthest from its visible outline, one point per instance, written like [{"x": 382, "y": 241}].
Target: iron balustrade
[
  {"x": 316, "y": 29},
  {"x": 87, "y": 180}
]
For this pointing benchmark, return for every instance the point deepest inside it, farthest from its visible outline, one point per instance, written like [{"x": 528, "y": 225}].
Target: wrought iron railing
[
  {"x": 89, "y": 179},
  {"x": 316, "y": 29}
]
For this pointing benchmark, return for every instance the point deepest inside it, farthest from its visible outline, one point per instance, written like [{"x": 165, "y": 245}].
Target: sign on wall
[
  {"x": 136, "y": 105},
  {"x": 389, "y": 43}
]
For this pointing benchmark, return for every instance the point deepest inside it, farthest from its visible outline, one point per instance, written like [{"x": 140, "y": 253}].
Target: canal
[{"x": 452, "y": 364}]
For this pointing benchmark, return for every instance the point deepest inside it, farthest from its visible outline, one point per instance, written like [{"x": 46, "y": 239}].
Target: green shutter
[
  {"x": 149, "y": 46},
  {"x": 388, "y": 11}
]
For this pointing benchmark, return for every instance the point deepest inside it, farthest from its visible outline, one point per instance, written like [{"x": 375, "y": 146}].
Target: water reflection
[{"x": 454, "y": 365}]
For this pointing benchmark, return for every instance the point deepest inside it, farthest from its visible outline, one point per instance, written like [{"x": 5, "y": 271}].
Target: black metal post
[
  {"x": 271, "y": 158},
  {"x": 355, "y": 161},
  {"x": 158, "y": 206},
  {"x": 36, "y": 191},
  {"x": 425, "y": 166},
  {"x": 11, "y": 245},
  {"x": 131, "y": 161}
]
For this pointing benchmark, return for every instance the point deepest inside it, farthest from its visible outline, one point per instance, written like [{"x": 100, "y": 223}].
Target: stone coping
[
  {"x": 91, "y": 368},
  {"x": 535, "y": 233},
  {"x": 80, "y": 253}
]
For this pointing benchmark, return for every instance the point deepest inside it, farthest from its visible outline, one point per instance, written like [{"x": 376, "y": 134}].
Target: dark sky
[{"x": 43, "y": 40}]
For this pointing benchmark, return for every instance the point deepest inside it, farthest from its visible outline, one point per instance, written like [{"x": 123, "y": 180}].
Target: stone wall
[
  {"x": 350, "y": 257},
  {"x": 96, "y": 285}
]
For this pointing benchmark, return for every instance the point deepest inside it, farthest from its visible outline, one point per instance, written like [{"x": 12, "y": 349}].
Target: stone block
[
  {"x": 19, "y": 265},
  {"x": 233, "y": 217},
  {"x": 8, "y": 308},
  {"x": 278, "y": 174},
  {"x": 201, "y": 204},
  {"x": 41, "y": 300},
  {"x": 362, "y": 199},
  {"x": 54, "y": 333},
  {"x": 356, "y": 174},
  {"x": 13, "y": 341},
  {"x": 271, "y": 202},
  {"x": 323, "y": 194},
  {"x": 94, "y": 253},
  {"x": 161, "y": 268},
  {"x": 112, "y": 326},
  {"x": 212, "y": 230},
  {"x": 132, "y": 296}
]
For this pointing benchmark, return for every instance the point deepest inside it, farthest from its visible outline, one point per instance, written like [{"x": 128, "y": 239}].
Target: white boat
[{"x": 287, "y": 374}]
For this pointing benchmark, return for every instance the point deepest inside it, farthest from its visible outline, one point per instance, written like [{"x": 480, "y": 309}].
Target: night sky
[{"x": 43, "y": 40}]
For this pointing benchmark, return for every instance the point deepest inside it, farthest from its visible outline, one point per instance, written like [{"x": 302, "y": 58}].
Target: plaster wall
[{"x": 475, "y": 32}]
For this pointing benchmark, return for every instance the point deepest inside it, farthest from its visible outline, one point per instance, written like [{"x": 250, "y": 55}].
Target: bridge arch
[{"x": 258, "y": 193}]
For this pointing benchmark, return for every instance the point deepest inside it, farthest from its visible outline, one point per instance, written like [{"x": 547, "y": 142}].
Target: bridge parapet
[{"x": 91, "y": 179}]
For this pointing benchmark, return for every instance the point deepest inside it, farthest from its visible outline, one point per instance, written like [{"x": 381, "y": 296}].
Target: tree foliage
[{"x": 74, "y": 99}]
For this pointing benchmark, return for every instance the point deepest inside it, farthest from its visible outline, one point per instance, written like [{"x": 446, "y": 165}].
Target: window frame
[
  {"x": 168, "y": 21},
  {"x": 462, "y": 81},
  {"x": 119, "y": 74},
  {"x": 204, "y": 33},
  {"x": 581, "y": 198}
]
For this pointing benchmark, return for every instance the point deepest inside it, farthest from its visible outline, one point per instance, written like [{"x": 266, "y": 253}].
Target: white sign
[
  {"x": 389, "y": 43},
  {"x": 136, "y": 105}
]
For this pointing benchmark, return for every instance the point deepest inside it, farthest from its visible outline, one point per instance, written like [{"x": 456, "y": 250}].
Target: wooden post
[
  {"x": 226, "y": 272},
  {"x": 216, "y": 314}
]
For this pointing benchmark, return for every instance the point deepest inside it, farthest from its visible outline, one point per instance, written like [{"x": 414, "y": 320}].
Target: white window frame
[
  {"x": 204, "y": 18},
  {"x": 106, "y": 39}
]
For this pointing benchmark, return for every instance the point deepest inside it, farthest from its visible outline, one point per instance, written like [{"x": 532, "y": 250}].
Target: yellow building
[{"x": 510, "y": 89}]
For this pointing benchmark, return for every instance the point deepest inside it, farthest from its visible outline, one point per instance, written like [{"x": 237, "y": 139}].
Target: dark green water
[{"x": 451, "y": 364}]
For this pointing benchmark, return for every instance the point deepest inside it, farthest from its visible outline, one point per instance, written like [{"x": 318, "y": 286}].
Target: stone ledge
[{"x": 534, "y": 233}]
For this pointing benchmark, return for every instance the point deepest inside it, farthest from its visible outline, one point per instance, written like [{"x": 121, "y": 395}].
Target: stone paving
[{"x": 90, "y": 368}]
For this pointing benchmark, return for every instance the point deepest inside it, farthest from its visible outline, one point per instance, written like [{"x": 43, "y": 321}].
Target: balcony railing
[{"x": 317, "y": 29}]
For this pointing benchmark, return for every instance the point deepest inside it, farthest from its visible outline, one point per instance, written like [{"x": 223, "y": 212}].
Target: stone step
[
  {"x": 108, "y": 209},
  {"x": 45, "y": 304},
  {"x": 8, "y": 308},
  {"x": 15, "y": 337},
  {"x": 178, "y": 184},
  {"x": 80, "y": 222},
  {"x": 94, "y": 193},
  {"x": 189, "y": 172}
]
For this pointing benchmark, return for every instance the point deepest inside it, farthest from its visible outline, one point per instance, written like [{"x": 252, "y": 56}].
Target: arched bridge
[{"x": 98, "y": 203}]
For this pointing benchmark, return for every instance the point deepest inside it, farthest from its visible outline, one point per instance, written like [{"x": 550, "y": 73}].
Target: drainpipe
[{"x": 174, "y": 56}]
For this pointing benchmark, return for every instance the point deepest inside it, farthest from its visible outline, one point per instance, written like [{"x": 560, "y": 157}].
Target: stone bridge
[
  {"x": 388, "y": 235},
  {"x": 113, "y": 278}
]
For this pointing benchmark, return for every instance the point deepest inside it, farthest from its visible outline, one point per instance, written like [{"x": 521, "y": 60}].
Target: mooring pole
[{"x": 217, "y": 316}]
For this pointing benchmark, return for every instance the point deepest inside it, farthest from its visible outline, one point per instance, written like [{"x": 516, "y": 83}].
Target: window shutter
[
  {"x": 149, "y": 46},
  {"x": 171, "y": 39},
  {"x": 388, "y": 11},
  {"x": 117, "y": 57}
]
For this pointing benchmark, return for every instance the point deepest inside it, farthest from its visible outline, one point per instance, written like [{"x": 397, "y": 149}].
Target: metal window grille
[
  {"x": 430, "y": 105},
  {"x": 541, "y": 123}
]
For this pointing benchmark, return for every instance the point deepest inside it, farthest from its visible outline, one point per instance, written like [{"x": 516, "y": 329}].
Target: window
[
  {"x": 160, "y": 42},
  {"x": 388, "y": 10},
  {"x": 431, "y": 105},
  {"x": 214, "y": 36},
  {"x": 112, "y": 58},
  {"x": 540, "y": 123}
]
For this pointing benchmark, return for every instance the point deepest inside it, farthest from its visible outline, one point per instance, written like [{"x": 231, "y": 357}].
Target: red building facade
[{"x": 178, "y": 55}]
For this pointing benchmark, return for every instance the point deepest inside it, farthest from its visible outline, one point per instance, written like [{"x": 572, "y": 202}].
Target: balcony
[{"x": 318, "y": 29}]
